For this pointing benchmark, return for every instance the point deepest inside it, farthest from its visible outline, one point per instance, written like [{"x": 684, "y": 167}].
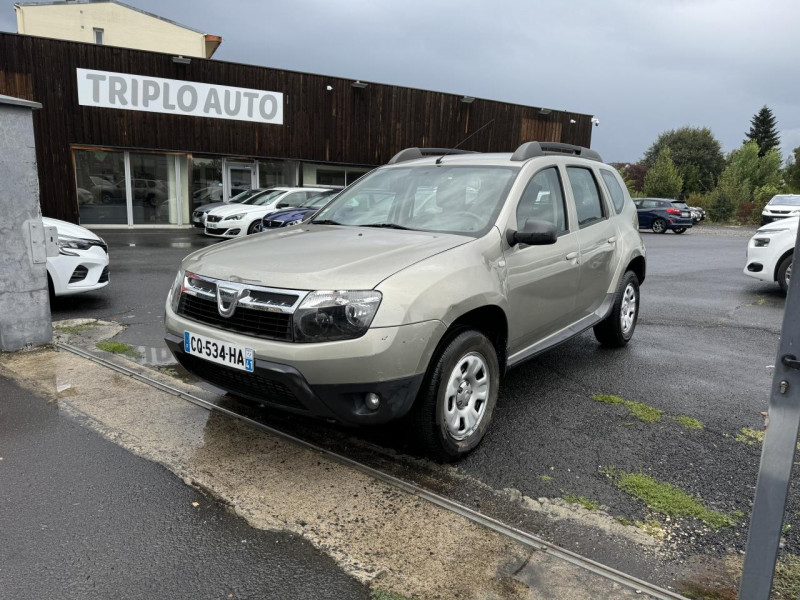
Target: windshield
[
  {"x": 317, "y": 201},
  {"x": 264, "y": 198},
  {"x": 240, "y": 198},
  {"x": 449, "y": 199},
  {"x": 788, "y": 200}
]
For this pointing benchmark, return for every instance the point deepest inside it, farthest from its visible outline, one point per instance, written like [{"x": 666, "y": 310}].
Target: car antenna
[{"x": 439, "y": 160}]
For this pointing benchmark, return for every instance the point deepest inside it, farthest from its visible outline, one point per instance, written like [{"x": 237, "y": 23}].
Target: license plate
[
  {"x": 685, "y": 214},
  {"x": 223, "y": 353}
]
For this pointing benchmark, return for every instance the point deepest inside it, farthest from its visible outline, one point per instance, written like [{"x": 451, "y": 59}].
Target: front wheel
[
  {"x": 455, "y": 404},
  {"x": 255, "y": 227},
  {"x": 679, "y": 229},
  {"x": 785, "y": 272},
  {"x": 659, "y": 226},
  {"x": 616, "y": 329}
]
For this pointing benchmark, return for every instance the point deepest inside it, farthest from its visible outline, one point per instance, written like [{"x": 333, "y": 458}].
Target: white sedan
[
  {"x": 770, "y": 252},
  {"x": 231, "y": 221},
  {"x": 82, "y": 261}
]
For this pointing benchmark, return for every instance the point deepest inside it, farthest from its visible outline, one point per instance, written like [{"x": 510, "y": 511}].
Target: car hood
[
  {"x": 320, "y": 257},
  {"x": 790, "y": 222},
  {"x": 233, "y": 209},
  {"x": 66, "y": 229},
  {"x": 211, "y": 206},
  {"x": 782, "y": 207},
  {"x": 289, "y": 214}
]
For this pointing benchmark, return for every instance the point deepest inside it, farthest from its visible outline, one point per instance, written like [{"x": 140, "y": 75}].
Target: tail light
[{"x": 673, "y": 211}]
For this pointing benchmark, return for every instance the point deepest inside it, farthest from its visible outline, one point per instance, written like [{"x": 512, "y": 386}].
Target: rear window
[{"x": 617, "y": 195}]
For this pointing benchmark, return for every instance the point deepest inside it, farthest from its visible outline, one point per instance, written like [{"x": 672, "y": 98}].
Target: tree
[
  {"x": 763, "y": 131},
  {"x": 633, "y": 174},
  {"x": 696, "y": 153},
  {"x": 791, "y": 174},
  {"x": 663, "y": 179}
]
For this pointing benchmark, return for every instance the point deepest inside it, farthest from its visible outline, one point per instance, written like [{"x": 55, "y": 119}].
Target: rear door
[
  {"x": 597, "y": 239},
  {"x": 542, "y": 280}
]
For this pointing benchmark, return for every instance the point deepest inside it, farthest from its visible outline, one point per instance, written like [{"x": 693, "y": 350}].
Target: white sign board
[{"x": 176, "y": 97}]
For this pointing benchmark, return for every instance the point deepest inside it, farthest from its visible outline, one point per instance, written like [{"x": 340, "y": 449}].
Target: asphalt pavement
[
  {"x": 705, "y": 336},
  {"x": 81, "y": 517}
]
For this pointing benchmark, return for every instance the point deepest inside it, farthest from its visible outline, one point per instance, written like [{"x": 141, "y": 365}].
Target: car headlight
[
  {"x": 66, "y": 243},
  {"x": 177, "y": 290},
  {"x": 235, "y": 217},
  {"x": 295, "y": 222},
  {"x": 760, "y": 242},
  {"x": 326, "y": 316}
]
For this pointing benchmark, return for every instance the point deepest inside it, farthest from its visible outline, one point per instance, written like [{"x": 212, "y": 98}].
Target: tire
[
  {"x": 659, "y": 226},
  {"x": 469, "y": 357},
  {"x": 105, "y": 197},
  {"x": 784, "y": 274},
  {"x": 680, "y": 230},
  {"x": 617, "y": 328},
  {"x": 255, "y": 227}
]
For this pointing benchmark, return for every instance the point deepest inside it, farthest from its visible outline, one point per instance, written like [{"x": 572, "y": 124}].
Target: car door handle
[
  {"x": 571, "y": 256},
  {"x": 612, "y": 240}
]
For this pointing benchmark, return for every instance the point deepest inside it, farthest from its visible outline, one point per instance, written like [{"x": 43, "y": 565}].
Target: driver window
[{"x": 543, "y": 199}]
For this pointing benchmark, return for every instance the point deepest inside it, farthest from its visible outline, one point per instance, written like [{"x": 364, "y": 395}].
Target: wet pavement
[
  {"x": 706, "y": 333},
  {"x": 80, "y": 517}
]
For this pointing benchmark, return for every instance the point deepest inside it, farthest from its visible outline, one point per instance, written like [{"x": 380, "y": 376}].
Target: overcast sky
[{"x": 641, "y": 67}]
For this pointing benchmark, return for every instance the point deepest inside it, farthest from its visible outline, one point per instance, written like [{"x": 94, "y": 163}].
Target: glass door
[{"x": 239, "y": 179}]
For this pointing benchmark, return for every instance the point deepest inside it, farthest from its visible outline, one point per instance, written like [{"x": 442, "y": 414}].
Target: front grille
[
  {"x": 103, "y": 276},
  {"x": 272, "y": 224},
  {"x": 242, "y": 382},
  {"x": 215, "y": 229},
  {"x": 79, "y": 274},
  {"x": 258, "y": 323}
]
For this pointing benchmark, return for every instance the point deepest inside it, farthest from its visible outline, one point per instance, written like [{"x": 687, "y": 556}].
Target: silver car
[{"x": 416, "y": 289}]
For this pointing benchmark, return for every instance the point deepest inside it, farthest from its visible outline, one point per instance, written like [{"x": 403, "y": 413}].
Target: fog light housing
[{"x": 372, "y": 400}]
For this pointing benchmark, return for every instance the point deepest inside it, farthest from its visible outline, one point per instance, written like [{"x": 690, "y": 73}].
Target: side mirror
[{"x": 536, "y": 232}]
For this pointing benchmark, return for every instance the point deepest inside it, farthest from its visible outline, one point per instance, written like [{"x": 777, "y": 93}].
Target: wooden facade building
[{"x": 333, "y": 130}]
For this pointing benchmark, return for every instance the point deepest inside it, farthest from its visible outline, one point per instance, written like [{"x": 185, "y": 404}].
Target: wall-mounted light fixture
[
  {"x": 572, "y": 121},
  {"x": 359, "y": 84},
  {"x": 545, "y": 111},
  {"x": 467, "y": 99},
  {"x": 182, "y": 60},
  {"x": 329, "y": 88}
]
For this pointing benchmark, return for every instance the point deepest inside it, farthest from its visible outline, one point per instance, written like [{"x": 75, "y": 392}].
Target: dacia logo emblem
[{"x": 227, "y": 299}]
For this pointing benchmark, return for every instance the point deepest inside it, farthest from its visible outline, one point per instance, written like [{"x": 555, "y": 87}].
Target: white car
[
  {"x": 231, "y": 221},
  {"x": 771, "y": 251},
  {"x": 82, "y": 261},
  {"x": 780, "y": 207}
]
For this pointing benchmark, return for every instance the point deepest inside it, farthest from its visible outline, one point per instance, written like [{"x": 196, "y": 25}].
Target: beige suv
[{"x": 416, "y": 289}]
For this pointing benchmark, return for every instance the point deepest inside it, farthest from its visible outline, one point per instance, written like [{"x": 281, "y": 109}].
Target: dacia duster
[{"x": 415, "y": 289}]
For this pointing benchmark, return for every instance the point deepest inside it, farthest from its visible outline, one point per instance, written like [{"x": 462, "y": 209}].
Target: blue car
[
  {"x": 660, "y": 215},
  {"x": 297, "y": 214}
]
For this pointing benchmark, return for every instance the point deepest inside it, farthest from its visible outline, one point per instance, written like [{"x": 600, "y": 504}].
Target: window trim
[
  {"x": 603, "y": 203},
  {"x": 567, "y": 219}
]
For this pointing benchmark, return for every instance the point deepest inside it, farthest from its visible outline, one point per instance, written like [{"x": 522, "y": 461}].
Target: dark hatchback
[
  {"x": 296, "y": 214},
  {"x": 661, "y": 214}
]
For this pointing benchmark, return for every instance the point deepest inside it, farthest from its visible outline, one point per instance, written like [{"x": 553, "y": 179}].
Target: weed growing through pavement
[
  {"x": 667, "y": 499},
  {"x": 640, "y": 410},
  {"x": 583, "y": 501},
  {"x": 689, "y": 422},
  {"x": 545, "y": 478},
  {"x": 75, "y": 329},
  {"x": 119, "y": 348}
]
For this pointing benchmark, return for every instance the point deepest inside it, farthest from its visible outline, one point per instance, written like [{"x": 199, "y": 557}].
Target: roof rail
[
  {"x": 534, "y": 149},
  {"x": 412, "y": 153}
]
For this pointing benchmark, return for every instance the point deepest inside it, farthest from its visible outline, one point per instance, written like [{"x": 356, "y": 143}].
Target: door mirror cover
[{"x": 536, "y": 232}]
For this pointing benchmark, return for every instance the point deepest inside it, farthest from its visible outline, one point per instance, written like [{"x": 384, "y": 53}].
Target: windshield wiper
[
  {"x": 386, "y": 225},
  {"x": 325, "y": 222}
]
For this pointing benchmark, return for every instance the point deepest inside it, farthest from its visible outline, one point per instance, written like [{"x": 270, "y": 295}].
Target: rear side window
[
  {"x": 587, "y": 196},
  {"x": 543, "y": 199},
  {"x": 617, "y": 196}
]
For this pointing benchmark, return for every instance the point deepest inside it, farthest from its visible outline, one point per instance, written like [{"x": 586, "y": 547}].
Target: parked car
[
  {"x": 660, "y": 215},
  {"x": 284, "y": 217},
  {"x": 245, "y": 197},
  {"x": 371, "y": 311},
  {"x": 82, "y": 261},
  {"x": 770, "y": 252},
  {"x": 781, "y": 206},
  {"x": 244, "y": 219}
]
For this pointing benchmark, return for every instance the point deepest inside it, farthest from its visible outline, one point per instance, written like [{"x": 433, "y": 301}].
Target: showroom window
[
  {"x": 102, "y": 196},
  {"x": 277, "y": 172}
]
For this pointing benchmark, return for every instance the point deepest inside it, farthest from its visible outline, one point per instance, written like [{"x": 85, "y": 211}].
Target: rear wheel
[
  {"x": 785, "y": 272},
  {"x": 617, "y": 328},
  {"x": 659, "y": 226},
  {"x": 457, "y": 398},
  {"x": 679, "y": 229}
]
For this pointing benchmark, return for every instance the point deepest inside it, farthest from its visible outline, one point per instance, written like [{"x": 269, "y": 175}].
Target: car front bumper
[
  {"x": 63, "y": 268},
  {"x": 329, "y": 379},
  {"x": 226, "y": 229}
]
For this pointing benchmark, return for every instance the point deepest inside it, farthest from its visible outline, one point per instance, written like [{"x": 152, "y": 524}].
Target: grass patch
[
  {"x": 75, "y": 329},
  {"x": 748, "y": 436},
  {"x": 583, "y": 501},
  {"x": 384, "y": 595},
  {"x": 623, "y": 521},
  {"x": 640, "y": 410},
  {"x": 669, "y": 500},
  {"x": 118, "y": 348},
  {"x": 545, "y": 478},
  {"x": 689, "y": 422},
  {"x": 786, "y": 583},
  {"x": 652, "y": 528}
]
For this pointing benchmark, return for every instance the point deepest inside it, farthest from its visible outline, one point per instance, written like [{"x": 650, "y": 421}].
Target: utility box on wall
[{"x": 24, "y": 296}]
